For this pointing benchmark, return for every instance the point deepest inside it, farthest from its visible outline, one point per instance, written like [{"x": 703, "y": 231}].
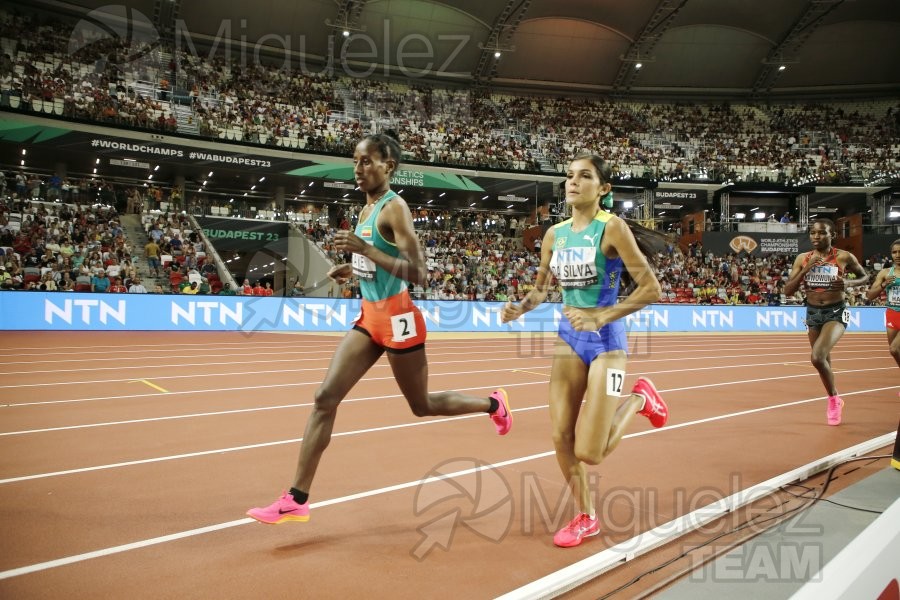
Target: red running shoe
[
  {"x": 655, "y": 407},
  {"x": 574, "y": 533}
]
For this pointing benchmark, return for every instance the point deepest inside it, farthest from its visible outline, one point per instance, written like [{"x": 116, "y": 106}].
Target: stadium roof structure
[
  {"x": 731, "y": 48},
  {"x": 711, "y": 49}
]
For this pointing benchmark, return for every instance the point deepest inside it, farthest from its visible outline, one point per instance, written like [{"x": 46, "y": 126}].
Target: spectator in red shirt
[{"x": 116, "y": 287}]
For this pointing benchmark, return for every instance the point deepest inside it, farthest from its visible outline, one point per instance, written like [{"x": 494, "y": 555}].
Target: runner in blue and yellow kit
[
  {"x": 586, "y": 253},
  {"x": 888, "y": 282},
  {"x": 386, "y": 254}
]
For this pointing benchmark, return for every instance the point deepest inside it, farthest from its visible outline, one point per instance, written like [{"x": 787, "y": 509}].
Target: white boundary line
[
  {"x": 302, "y": 384},
  {"x": 635, "y": 357},
  {"x": 358, "y": 399},
  {"x": 583, "y": 571},
  {"x": 376, "y": 492},
  {"x": 670, "y": 337}
]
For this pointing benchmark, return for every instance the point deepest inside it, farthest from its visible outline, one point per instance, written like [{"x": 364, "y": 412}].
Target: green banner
[
  {"x": 16, "y": 131},
  {"x": 243, "y": 234},
  {"x": 403, "y": 177}
]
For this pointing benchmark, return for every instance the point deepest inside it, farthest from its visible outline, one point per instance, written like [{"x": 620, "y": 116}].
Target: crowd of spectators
[
  {"x": 54, "y": 246},
  {"x": 470, "y": 255},
  {"x": 325, "y": 113},
  {"x": 466, "y": 264},
  {"x": 50, "y": 246}
]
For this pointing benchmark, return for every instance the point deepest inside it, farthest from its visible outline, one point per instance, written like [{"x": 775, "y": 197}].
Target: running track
[{"x": 127, "y": 460}]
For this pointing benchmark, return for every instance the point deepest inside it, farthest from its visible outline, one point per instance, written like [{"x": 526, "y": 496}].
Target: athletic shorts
[
  {"x": 394, "y": 323},
  {"x": 892, "y": 318},
  {"x": 817, "y": 316},
  {"x": 590, "y": 344}
]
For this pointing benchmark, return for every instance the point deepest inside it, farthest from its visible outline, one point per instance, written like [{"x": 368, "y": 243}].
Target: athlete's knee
[
  {"x": 819, "y": 359},
  {"x": 326, "y": 400},
  {"x": 593, "y": 452},
  {"x": 591, "y": 457},
  {"x": 564, "y": 440}
]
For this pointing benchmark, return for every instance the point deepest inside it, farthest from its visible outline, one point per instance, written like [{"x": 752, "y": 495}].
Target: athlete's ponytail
[{"x": 649, "y": 241}]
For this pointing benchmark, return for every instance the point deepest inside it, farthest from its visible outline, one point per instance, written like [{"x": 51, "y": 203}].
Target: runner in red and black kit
[{"x": 822, "y": 273}]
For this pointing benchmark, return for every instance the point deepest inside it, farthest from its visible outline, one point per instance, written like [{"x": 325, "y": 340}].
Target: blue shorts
[{"x": 590, "y": 344}]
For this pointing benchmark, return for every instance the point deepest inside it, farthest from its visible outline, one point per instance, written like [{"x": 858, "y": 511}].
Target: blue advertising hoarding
[{"x": 139, "y": 312}]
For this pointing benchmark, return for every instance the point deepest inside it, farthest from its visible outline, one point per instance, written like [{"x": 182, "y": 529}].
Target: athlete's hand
[
  {"x": 511, "y": 311},
  {"x": 838, "y": 285},
  {"x": 341, "y": 273},
  {"x": 815, "y": 262},
  {"x": 583, "y": 319},
  {"x": 347, "y": 241}
]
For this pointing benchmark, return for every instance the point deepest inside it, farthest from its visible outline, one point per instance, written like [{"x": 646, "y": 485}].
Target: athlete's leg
[
  {"x": 411, "y": 372},
  {"x": 603, "y": 420},
  {"x": 568, "y": 380},
  {"x": 354, "y": 356},
  {"x": 822, "y": 341},
  {"x": 894, "y": 343}
]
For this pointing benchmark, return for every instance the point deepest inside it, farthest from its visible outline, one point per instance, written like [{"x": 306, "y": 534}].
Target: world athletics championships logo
[{"x": 113, "y": 34}]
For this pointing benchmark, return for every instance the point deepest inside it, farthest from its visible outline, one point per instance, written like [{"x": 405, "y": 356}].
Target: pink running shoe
[
  {"x": 572, "y": 534},
  {"x": 655, "y": 407},
  {"x": 835, "y": 406},
  {"x": 282, "y": 510},
  {"x": 502, "y": 417}
]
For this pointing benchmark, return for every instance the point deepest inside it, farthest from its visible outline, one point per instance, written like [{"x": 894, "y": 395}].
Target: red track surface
[{"x": 129, "y": 459}]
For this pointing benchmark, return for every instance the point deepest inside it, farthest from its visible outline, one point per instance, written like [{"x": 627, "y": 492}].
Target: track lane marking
[{"x": 76, "y": 558}]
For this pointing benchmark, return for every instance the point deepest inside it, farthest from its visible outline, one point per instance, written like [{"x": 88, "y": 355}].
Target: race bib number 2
[{"x": 403, "y": 327}]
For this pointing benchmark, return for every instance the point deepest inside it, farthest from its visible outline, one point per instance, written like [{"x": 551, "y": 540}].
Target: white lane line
[
  {"x": 636, "y": 360},
  {"x": 145, "y": 461},
  {"x": 245, "y": 410},
  {"x": 317, "y": 354},
  {"x": 228, "y": 389},
  {"x": 295, "y": 384},
  {"x": 368, "y": 379},
  {"x": 683, "y": 338},
  {"x": 403, "y": 426},
  {"x": 385, "y": 365},
  {"x": 68, "y": 560},
  {"x": 176, "y": 365}
]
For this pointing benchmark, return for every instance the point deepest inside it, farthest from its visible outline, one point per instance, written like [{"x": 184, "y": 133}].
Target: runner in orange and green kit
[{"x": 386, "y": 255}]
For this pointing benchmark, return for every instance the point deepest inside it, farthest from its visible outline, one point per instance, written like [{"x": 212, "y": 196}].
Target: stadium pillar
[
  {"x": 802, "y": 212},
  {"x": 184, "y": 201},
  {"x": 279, "y": 202}
]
